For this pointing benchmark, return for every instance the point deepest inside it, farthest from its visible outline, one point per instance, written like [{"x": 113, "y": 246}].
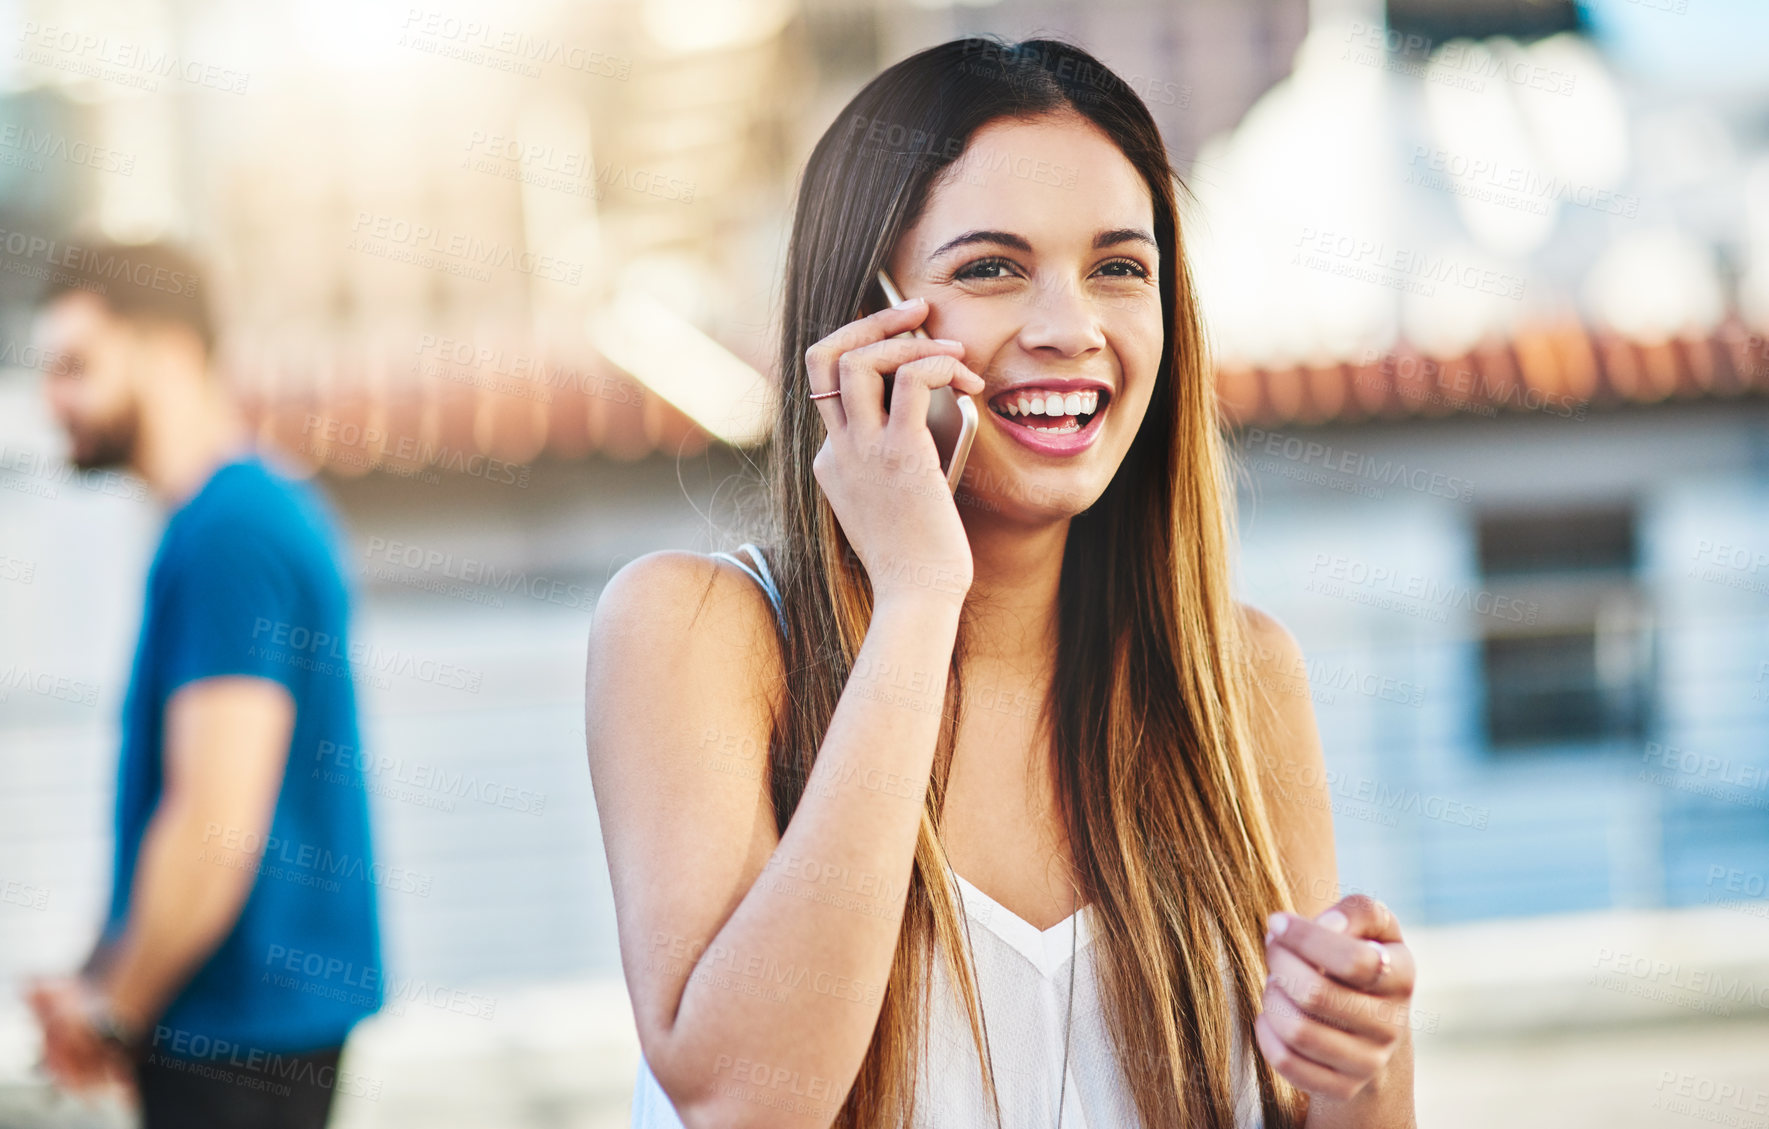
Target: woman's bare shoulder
[
  {"x": 1277, "y": 676},
  {"x": 674, "y": 606},
  {"x": 1269, "y": 640}
]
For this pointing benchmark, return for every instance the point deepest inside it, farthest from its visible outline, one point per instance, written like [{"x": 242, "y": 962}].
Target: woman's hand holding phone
[{"x": 881, "y": 470}]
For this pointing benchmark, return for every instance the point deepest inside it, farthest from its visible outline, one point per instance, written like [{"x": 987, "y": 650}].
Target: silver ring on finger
[
  {"x": 826, "y": 395},
  {"x": 1381, "y": 969}
]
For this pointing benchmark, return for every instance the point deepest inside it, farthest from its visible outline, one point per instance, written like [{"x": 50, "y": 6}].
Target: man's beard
[{"x": 109, "y": 445}]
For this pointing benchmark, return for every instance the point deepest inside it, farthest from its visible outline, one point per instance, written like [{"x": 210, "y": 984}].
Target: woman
[{"x": 959, "y": 812}]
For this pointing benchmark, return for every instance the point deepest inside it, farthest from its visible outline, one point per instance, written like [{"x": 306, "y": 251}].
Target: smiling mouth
[{"x": 1050, "y": 412}]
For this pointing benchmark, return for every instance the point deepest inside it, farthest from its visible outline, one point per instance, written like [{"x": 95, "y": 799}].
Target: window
[
  {"x": 1439, "y": 21},
  {"x": 1581, "y": 673}
]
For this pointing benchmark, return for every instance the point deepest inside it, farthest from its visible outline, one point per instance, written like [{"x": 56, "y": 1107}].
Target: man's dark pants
[{"x": 288, "y": 1091}]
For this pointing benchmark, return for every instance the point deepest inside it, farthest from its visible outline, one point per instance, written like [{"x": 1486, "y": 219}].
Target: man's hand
[{"x": 74, "y": 1053}]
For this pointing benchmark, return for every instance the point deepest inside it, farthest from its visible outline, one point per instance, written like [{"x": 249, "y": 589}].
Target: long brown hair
[{"x": 1148, "y": 707}]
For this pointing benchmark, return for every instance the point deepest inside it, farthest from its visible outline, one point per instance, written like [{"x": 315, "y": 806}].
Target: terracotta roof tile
[
  {"x": 1553, "y": 366},
  {"x": 357, "y": 407}
]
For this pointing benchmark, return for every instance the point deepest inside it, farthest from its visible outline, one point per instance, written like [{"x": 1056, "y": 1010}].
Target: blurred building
[{"x": 1501, "y": 395}]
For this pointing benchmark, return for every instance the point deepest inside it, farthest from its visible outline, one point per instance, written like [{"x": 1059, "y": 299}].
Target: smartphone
[{"x": 951, "y": 415}]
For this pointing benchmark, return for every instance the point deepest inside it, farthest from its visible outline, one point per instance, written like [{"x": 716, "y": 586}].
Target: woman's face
[{"x": 1037, "y": 250}]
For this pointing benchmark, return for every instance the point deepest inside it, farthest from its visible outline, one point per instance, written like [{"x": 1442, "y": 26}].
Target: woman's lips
[{"x": 1053, "y": 435}]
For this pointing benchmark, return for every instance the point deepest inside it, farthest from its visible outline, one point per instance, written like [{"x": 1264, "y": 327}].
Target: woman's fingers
[
  {"x": 914, "y": 383},
  {"x": 1325, "y": 1038},
  {"x": 822, "y": 359},
  {"x": 1354, "y": 1012},
  {"x": 1303, "y": 1072},
  {"x": 862, "y": 376},
  {"x": 1347, "y": 954},
  {"x": 1321, "y": 1042}
]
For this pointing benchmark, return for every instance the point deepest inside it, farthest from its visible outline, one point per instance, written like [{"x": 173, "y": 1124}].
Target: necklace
[{"x": 1068, "y": 1019}]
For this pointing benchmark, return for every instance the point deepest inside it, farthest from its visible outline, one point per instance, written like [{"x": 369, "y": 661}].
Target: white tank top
[{"x": 1023, "y": 986}]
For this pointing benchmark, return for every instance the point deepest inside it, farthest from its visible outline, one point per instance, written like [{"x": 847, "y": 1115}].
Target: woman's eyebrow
[
  {"x": 1123, "y": 235},
  {"x": 1005, "y": 238},
  {"x": 1019, "y": 242}
]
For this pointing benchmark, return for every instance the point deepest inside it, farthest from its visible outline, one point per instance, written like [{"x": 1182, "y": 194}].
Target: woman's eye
[
  {"x": 980, "y": 268},
  {"x": 1136, "y": 268}
]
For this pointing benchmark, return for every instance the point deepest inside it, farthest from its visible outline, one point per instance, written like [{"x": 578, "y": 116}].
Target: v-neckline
[{"x": 1046, "y": 949}]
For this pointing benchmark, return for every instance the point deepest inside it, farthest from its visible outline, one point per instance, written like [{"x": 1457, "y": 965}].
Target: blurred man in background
[{"x": 241, "y": 943}]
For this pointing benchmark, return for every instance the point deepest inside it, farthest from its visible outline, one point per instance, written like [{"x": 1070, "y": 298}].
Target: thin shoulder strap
[{"x": 764, "y": 578}]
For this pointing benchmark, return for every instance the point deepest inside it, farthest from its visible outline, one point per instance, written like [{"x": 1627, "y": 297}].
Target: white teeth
[{"x": 1050, "y": 404}]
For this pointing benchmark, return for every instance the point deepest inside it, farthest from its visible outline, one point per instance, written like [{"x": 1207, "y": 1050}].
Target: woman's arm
[
  {"x": 1311, "y": 1023},
  {"x": 1293, "y": 772},
  {"x": 756, "y": 964}
]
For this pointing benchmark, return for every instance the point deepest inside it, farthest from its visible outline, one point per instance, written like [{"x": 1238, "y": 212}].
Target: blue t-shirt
[{"x": 246, "y": 582}]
